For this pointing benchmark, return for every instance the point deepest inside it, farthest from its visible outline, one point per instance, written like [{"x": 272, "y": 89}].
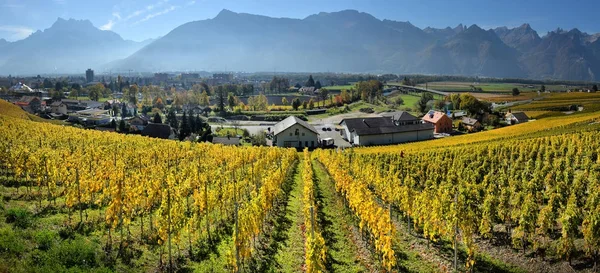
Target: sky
[{"x": 143, "y": 19}]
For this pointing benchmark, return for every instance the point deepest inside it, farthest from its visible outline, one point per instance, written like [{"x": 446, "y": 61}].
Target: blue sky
[{"x": 143, "y": 19}]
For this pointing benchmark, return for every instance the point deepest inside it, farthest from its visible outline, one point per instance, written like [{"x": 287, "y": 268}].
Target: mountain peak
[
  {"x": 224, "y": 13},
  {"x": 525, "y": 26},
  {"x": 72, "y": 23}
]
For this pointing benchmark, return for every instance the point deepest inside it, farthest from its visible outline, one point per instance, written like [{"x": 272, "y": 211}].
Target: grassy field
[
  {"x": 340, "y": 87},
  {"x": 487, "y": 87}
]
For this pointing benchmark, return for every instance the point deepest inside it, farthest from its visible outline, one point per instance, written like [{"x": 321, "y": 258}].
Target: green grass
[
  {"x": 340, "y": 87},
  {"x": 290, "y": 257},
  {"x": 336, "y": 223},
  {"x": 225, "y": 131}
]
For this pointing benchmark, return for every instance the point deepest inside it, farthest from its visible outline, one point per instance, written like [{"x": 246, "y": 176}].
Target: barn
[{"x": 385, "y": 130}]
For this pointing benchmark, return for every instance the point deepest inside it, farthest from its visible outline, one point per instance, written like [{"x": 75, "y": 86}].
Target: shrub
[
  {"x": 10, "y": 242},
  {"x": 77, "y": 252},
  {"x": 20, "y": 217},
  {"x": 45, "y": 239}
]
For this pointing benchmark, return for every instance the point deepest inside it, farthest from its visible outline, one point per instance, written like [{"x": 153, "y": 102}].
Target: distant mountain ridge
[
  {"x": 344, "y": 41},
  {"x": 68, "y": 46}
]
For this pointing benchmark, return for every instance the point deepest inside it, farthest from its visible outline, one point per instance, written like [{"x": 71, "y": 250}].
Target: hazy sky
[{"x": 142, "y": 19}]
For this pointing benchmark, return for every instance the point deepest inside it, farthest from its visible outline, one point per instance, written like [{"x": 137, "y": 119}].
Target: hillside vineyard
[
  {"x": 170, "y": 188},
  {"x": 532, "y": 190}
]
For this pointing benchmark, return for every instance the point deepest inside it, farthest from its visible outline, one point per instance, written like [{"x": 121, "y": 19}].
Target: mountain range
[{"x": 345, "y": 41}]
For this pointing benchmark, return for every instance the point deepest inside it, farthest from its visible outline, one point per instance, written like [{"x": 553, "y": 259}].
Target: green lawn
[{"x": 340, "y": 87}]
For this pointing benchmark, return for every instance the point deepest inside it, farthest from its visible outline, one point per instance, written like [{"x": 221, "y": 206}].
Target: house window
[
  {"x": 297, "y": 132},
  {"x": 300, "y": 144},
  {"x": 306, "y": 143},
  {"x": 312, "y": 143}
]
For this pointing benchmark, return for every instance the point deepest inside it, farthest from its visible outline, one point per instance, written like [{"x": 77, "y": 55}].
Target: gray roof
[
  {"x": 157, "y": 130},
  {"x": 289, "y": 122},
  {"x": 520, "y": 116},
  {"x": 381, "y": 125},
  {"x": 469, "y": 121}
]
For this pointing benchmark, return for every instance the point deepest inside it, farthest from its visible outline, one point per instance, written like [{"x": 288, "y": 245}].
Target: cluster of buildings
[{"x": 391, "y": 128}]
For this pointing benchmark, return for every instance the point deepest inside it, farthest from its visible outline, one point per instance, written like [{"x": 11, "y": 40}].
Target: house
[
  {"x": 471, "y": 124},
  {"x": 516, "y": 118},
  {"x": 441, "y": 122},
  {"x": 158, "y": 130},
  {"x": 30, "y": 104},
  {"x": 138, "y": 123},
  {"x": 294, "y": 132},
  {"x": 58, "y": 107},
  {"x": 235, "y": 141},
  {"x": 385, "y": 130}
]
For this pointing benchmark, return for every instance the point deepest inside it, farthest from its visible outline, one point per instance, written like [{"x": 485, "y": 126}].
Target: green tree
[
  {"x": 157, "y": 118},
  {"x": 310, "y": 82},
  {"x": 221, "y": 97},
  {"x": 595, "y": 88},
  {"x": 296, "y": 103},
  {"x": 304, "y": 105},
  {"x": 184, "y": 131},
  {"x": 323, "y": 94},
  {"x": 311, "y": 104},
  {"x": 231, "y": 100},
  {"x": 543, "y": 88},
  {"x": 515, "y": 91},
  {"x": 172, "y": 119},
  {"x": 122, "y": 127},
  {"x": 284, "y": 101},
  {"x": 318, "y": 85},
  {"x": 422, "y": 103}
]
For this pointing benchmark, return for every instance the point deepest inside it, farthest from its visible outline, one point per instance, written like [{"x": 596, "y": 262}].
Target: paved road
[{"x": 419, "y": 88}]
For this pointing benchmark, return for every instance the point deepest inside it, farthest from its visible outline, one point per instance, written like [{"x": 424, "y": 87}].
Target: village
[{"x": 316, "y": 126}]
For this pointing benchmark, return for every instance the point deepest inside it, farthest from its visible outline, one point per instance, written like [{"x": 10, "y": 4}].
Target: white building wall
[{"x": 309, "y": 137}]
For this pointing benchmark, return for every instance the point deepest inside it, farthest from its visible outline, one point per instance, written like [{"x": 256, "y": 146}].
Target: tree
[
  {"x": 543, "y": 88},
  {"x": 345, "y": 96},
  {"x": 157, "y": 118},
  {"x": 318, "y": 85},
  {"x": 284, "y": 101},
  {"x": 310, "y": 82},
  {"x": 515, "y": 91},
  {"x": 231, "y": 100},
  {"x": 296, "y": 103},
  {"x": 304, "y": 105},
  {"x": 172, "y": 119},
  {"x": 220, "y": 92},
  {"x": 48, "y": 83},
  {"x": 204, "y": 99},
  {"x": 422, "y": 103},
  {"x": 595, "y": 88},
  {"x": 399, "y": 100},
  {"x": 122, "y": 128},
  {"x": 311, "y": 104},
  {"x": 184, "y": 131},
  {"x": 323, "y": 94}
]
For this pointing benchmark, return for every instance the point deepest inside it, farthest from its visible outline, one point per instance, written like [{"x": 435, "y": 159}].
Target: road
[{"x": 420, "y": 89}]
